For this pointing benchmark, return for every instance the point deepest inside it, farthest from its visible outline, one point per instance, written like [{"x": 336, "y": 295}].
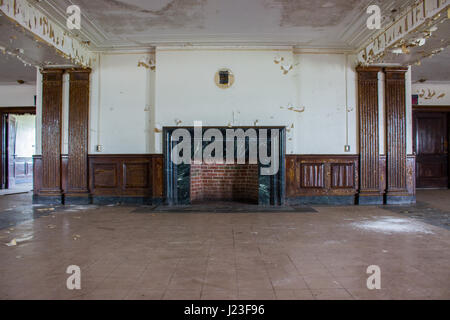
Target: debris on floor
[
  {"x": 393, "y": 225},
  {"x": 76, "y": 236},
  {"x": 45, "y": 209},
  {"x": 51, "y": 226},
  {"x": 12, "y": 243}
]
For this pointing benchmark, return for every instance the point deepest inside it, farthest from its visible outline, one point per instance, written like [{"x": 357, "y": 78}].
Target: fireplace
[
  {"x": 241, "y": 179},
  {"x": 224, "y": 182}
]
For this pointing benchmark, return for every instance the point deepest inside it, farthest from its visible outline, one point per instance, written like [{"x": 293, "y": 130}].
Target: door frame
[
  {"x": 4, "y": 136},
  {"x": 432, "y": 109}
]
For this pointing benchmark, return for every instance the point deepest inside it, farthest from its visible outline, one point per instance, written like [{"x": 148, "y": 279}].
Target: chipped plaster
[{"x": 47, "y": 31}]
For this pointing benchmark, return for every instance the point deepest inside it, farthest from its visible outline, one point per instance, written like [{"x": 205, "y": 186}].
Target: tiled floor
[{"x": 289, "y": 255}]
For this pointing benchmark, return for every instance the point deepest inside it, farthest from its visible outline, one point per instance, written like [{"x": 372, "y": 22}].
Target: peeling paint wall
[
  {"x": 121, "y": 110},
  {"x": 432, "y": 93},
  {"x": 309, "y": 100},
  {"x": 47, "y": 31}
]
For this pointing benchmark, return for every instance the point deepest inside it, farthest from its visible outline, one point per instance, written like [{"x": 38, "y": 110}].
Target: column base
[
  {"x": 50, "y": 199},
  {"x": 84, "y": 198},
  {"x": 368, "y": 200},
  {"x": 410, "y": 199}
]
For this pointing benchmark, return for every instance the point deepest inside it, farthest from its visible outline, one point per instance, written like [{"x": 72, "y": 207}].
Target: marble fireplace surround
[{"x": 177, "y": 178}]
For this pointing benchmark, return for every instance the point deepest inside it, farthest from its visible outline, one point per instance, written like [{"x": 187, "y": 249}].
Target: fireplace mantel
[{"x": 177, "y": 177}]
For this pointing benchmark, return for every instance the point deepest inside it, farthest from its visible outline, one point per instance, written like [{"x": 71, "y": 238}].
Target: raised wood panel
[
  {"x": 77, "y": 171},
  {"x": 126, "y": 175},
  {"x": 137, "y": 175},
  {"x": 343, "y": 175},
  {"x": 369, "y": 131},
  {"x": 105, "y": 175},
  {"x": 395, "y": 105},
  {"x": 51, "y": 132},
  {"x": 312, "y": 175}
]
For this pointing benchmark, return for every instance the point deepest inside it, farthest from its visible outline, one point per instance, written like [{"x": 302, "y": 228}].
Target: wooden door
[
  {"x": 431, "y": 147},
  {"x": 12, "y": 125}
]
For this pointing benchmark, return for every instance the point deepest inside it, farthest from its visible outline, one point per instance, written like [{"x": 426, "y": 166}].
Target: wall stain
[
  {"x": 313, "y": 13},
  {"x": 119, "y": 17}
]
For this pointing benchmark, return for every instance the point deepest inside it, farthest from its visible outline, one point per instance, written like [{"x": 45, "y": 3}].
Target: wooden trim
[
  {"x": 422, "y": 108},
  {"x": 51, "y": 132},
  {"x": 395, "y": 105},
  {"x": 395, "y": 69},
  {"x": 369, "y": 176},
  {"x": 19, "y": 110},
  {"x": 77, "y": 167},
  {"x": 321, "y": 175},
  {"x": 368, "y": 69}
]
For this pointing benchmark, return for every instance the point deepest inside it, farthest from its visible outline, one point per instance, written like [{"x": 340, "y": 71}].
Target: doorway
[
  {"x": 18, "y": 130},
  {"x": 431, "y": 136}
]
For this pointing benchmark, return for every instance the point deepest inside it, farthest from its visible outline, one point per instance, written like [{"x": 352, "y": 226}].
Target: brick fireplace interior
[{"x": 224, "y": 182}]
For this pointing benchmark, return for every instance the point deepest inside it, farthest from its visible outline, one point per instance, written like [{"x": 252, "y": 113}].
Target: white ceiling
[{"x": 123, "y": 24}]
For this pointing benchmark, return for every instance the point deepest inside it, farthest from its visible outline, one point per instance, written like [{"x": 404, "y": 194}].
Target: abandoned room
[{"x": 224, "y": 150}]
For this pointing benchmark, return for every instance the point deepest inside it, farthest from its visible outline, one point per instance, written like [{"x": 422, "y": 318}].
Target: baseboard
[{"x": 321, "y": 200}]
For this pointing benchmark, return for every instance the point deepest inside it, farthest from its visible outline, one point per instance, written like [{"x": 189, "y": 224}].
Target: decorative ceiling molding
[
  {"x": 422, "y": 13},
  {"x": 48, "y": 31}
]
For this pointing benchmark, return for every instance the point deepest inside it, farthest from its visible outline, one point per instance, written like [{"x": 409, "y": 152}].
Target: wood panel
[
  {"x": 410, "y": 174},
  {"x": 51, "y": 132},
  {"x": 395, "y": 105},
  {"x": 77, "y": 171},
  {"x": 126, "y": 175},
  {"x": 114, "y": 175},
  {"x": 321, "y": 175},
  {"x": 343, "y": 175},
  {"x": 369, "y": 136}
]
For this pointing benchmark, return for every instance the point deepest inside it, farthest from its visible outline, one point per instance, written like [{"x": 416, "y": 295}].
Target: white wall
[
  {"x": 17, "y": 95},
  {"x": 433, "y": 93},
  {"x": 185, "y": 90},
  {"x": 120, "y": 107},
  {"x": 131, "y": 104}
]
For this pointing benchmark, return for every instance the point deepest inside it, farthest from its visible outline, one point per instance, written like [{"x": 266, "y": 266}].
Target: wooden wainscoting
[
  {"x": 126, "y": 175},
  {"x": 114, "y": 177},
  {"x": 334, "y": 179},
  {"x": 320, "y": 177}
]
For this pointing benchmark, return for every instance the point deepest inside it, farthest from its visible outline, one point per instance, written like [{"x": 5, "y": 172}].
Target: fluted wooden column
[
  {"x": 77, "y": 168},
  {"x": 50, "y": 190},
  {"x": 395, "y": 109},
  {"x": 369, "y": 189}
]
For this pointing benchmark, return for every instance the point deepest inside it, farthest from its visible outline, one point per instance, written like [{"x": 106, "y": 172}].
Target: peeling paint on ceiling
[
  {"x": 120, "y": 17},
  {"x": 314, "y": 13}
]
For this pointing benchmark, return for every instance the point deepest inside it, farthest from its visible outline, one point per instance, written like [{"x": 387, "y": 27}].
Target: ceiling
[
  {"x": 143, "y": 24},
  {"x": 20, "y": 53},
  {"x": 110, "y": 24},
  {"x": 12, "y": 70}
]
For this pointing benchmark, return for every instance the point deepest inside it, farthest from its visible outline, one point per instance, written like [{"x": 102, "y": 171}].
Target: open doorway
[{"x": 18, "y": 147}]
